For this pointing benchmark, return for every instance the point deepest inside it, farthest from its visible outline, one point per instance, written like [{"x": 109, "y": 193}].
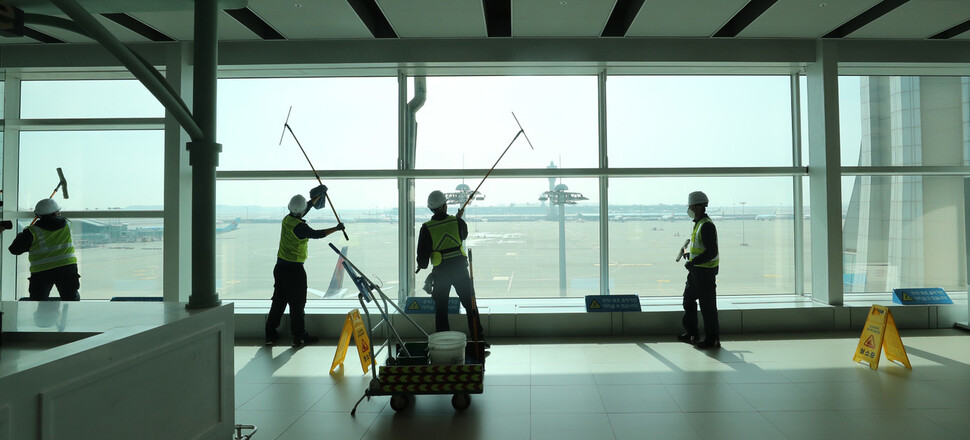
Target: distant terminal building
[{"x": 904, "y": 230}]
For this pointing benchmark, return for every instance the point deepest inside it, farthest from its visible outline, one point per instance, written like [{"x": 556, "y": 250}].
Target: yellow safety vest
[
  {"x": 51, "y": 249},
  {"x": 697, "y": 245},
  {"x": 445, "y": 239},
  {"x": 292, "y": 248}
]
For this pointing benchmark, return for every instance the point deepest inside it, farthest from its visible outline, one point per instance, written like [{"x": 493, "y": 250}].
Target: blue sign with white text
[
  {"x": 930, "y": 295},
  {"x": 612, "y": 303},
  {"x": 425, "y": 304}
]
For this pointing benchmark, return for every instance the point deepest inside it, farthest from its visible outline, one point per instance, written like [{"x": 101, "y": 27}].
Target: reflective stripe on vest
[
  {"x": 697, "y": 245},
  {"x": 51, "y": 249},
  {"x": 445, "y": 239},
  {"x": 292, "y": 248}
]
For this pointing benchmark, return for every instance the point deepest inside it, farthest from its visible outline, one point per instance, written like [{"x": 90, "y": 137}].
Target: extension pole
[
  {"x": 286, "y": 125},
  {"x": 521, "y": 132}
]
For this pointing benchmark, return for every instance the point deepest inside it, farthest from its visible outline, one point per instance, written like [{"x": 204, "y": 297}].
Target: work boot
[
  {"x": 272, "y": 338},
  {"x": 687, "y": 338},
  {"x": 305, "y": 340},
  {"x": 708, "y": 343}
]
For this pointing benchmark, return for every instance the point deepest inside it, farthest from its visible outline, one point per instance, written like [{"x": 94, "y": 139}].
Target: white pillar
[
  {"x": 824, "y": 174},
  {"x": 177, "y": 252}
]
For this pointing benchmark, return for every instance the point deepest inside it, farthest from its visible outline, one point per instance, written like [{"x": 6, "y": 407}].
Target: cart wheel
[
  {"x": 400, "y": 402},
  {"x": 461, "y": 401}
]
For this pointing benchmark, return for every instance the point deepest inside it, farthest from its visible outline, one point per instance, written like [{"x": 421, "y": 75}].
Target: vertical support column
[
  {"x": 798, "y": 217},
  {"x": 11, "y": 180},
  {"x": 604, "y": 186},
  {"x": 824, "y": 174},
  {"x": 966, "y": 225},
  {"x": 405, "y": 192},
  {"x": 176, "y": 282},
  {"x": 204, "y": 157}
]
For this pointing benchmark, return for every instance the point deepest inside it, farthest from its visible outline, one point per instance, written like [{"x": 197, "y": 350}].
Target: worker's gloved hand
[
  {"x": 340, "y": 226},
  {"x": 318, "y": 196}
]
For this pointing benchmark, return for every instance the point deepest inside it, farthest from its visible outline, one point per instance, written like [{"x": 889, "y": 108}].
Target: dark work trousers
[
  {"x": 65, "y": 278},
  {"x": 289, "y": 289},
  {"x": 700, "y": 287},
  {"x": 454, "y": 272}
]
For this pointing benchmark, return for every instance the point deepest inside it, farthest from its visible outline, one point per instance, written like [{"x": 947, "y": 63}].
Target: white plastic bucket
[{"x": 446, "y": 348}]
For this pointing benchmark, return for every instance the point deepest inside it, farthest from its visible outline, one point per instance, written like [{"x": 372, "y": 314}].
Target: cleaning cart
[{"x": 406, "y": 372}]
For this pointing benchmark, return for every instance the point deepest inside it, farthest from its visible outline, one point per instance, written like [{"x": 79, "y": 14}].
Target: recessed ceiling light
[
  {"x": 297, "y": 5},
  {"x": 822, "y": 5},
  {"x": 562, "y": 3}
]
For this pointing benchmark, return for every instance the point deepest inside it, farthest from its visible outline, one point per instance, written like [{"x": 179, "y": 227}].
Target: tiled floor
[{"x": 794, "y": 386}]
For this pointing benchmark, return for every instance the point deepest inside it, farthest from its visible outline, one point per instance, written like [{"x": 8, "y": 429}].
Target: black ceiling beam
[
  {"x": 254, "y": 23},
  {"x": 871, "y": 14},
  {"x": 952, "y": 32},
  {"x": 747, "y": 15},
  {"x": 137, "y": 26},
  {"x": 372, "y": 16},
  {"x": 624, "y": 12},
  {"x": 498, "y": 17},
  {"x": 40, "y": 36}
]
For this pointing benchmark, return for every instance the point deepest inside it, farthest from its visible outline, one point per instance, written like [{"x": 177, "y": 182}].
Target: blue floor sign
[
  {"x": 930, "y": 295},
  {"x": 612, "y": 303},
  {"x": 425, "y": 304}
]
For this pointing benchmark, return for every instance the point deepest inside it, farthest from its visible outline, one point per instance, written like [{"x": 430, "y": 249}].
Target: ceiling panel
[
  {"x": 181, "y": 25},
  {"x": 560, "y": 18},
  {"x": 805, "y": 18},
  {"x": 917, "y": 19},
  {"x": 306, "y": 19},
  {"x": 101, "y": 6},
  {"x": 683, "y": 18},
  {"x": 435, "y": 18},
  {"x": 122, "y": 33}
]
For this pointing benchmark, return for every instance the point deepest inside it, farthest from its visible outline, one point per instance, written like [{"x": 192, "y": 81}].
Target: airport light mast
[
  {"x": 461, "y": 194},
  {"x": 743, "y": 243},
  {"x": 561, "y": 196}
]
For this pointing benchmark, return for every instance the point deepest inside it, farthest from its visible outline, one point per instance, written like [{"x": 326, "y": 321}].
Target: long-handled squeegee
[
  {"x": 61, "y": 184},
  {"x": 472, "y": 195},
  {"x": 286, "y": 126}
]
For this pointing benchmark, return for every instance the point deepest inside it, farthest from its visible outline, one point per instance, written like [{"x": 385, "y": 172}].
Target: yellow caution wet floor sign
[
  {"x": 880, "y": 334},
  {"x": 353, "y": 326}
]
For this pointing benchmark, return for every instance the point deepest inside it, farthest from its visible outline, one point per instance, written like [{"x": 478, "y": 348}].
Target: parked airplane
[
  {"x": 230, "y": 227},
  {"x": 336, "y": 288}
]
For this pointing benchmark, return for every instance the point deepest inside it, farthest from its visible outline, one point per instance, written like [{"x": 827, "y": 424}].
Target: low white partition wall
[{"x": 116, "y": 370}]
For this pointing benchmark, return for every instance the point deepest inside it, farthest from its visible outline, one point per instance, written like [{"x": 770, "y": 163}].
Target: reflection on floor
[{"x": 794, "y": 386}]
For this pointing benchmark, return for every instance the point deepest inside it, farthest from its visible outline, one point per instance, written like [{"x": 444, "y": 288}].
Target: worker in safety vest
[
  {"x": 52, "y": 258},
  {"x": 290, "y": 280},
  {"x": 702, "y": 268},
  {"x": 440, "y": 241}
]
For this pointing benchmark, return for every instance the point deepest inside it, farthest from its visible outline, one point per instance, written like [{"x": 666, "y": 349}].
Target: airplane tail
[{"x": 337, "y": 281}]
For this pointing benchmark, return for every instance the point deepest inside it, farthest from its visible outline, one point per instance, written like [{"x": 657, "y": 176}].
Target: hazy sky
[{"x": 351, "y": 123}]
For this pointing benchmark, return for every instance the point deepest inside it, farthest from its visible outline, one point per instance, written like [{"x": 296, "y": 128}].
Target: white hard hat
[
  {"x": 297, "y": 204},
  {"x": 436, "y": 199},
  {"x": 46, "y": 207},
  {"x": 697, "y": 198}
]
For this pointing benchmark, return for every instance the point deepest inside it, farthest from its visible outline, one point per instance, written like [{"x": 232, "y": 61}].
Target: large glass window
[
  {"x": 116, "y": 257},
  {"x": 342, "y": 123},
  {"x": 649, "y": 222},
  {"x": 104, "y": 169},
  {"x": 904, "y": 230},
  {"x": 250, "y": 213},
  {"x": 88, "y": 99},
  {"x": 529, "y": 237},
  {"x": 466, "y": 122},
  {"x": 691, "y": 121},
  {"x": 903, "y": 120}
]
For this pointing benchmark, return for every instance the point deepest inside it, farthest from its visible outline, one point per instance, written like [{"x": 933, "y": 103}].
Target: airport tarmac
[{"x": 512, "y": 259}]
